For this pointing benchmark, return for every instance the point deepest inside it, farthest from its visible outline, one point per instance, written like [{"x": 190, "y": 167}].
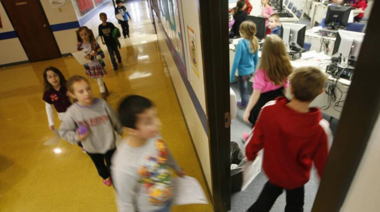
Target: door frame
[
  {"x": 215, "y": 52},
  {"x": 355, "y": 125},
  {"x": 18, "y": 37}
]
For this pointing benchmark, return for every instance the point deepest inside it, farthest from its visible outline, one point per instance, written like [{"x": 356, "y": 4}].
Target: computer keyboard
[{"x": 328, "y": 33}]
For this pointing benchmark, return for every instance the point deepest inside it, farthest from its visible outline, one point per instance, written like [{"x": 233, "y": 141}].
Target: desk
[{"x": 315, "y": 39}]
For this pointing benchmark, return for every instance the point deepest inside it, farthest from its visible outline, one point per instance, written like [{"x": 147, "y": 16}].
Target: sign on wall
[
  {"x": 85, "y": 6},
  {"x": 57, "y": 3},
  {"x": 193, "y": 50},
  {"x": 98, "y": 2}
]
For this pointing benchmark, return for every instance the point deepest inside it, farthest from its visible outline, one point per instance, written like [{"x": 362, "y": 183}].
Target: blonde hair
[
  {"x": 248, "y": 31},
  {"x": 275, "y": 60},
  {"x": 275, "y": 17},
  {"x": 74, "y": 79},
  {"x": 307, "y": 83}
]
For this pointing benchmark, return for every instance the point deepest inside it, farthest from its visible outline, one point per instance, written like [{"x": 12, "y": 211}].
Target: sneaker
[
  {"x": 120, "y": 61},
  {"x": 241, "y": 106},
  {"x": 107, "y": 182},
  {"x": 125, "y": 36},
  {"x": 83, "y": 150},
  {"x": 245, "y": 136},
  {"x": 115, "y": 69}
]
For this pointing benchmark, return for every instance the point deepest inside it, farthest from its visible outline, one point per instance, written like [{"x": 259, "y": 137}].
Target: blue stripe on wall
[
  {"x": 8, "y": 35},
  {"x": 198, "y": 107},
  {"x": 65, "y": 26}
]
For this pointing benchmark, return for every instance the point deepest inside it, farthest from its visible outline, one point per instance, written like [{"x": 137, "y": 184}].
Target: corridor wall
[{"x": 178, "y": 31}]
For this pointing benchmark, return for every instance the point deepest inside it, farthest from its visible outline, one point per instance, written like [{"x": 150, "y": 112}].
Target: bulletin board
[
  {"x": 85, "y": 6},
  {"x": 98, "y": 2}
]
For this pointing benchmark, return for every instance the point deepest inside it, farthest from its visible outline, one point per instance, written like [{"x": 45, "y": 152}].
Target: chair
[
  {"x": 355, "y": 27},
  {"x": 290, "y": 6},
  {"x": 299, "y": 13},
  {"x": 294, "y": 10}
]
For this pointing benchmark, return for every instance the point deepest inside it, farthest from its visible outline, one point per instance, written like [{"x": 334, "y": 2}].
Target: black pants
[
  {"x": 103, "y": 163},
  {"x": 125, "y": 27},
  {"x": 269, "y": 195}
]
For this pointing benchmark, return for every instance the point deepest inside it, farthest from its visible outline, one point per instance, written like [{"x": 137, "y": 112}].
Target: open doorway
[{"x": 307, "y": 44}]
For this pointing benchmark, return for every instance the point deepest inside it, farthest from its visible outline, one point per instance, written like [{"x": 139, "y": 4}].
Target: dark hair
[
  {"x": 62, "y": 79},
  {"x": 92, "y": 37},
  {"x": 74, "y": 79},
  {"x": 118, "y": 2},
  {"x": 103, "y": 14},
  {"x": 130, "y": 107},
  {"x": 239, "y": 7}
]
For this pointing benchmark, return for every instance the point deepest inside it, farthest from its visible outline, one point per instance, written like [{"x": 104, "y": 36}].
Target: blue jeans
[
  {"x": 166, "y": 207},
  {"x": 243, "y": 87},
  {"x": 112, "y": 50}
]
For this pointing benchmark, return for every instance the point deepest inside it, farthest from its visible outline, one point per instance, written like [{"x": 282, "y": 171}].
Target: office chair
[
  {"x": 355, "y": 27},
  {"x": 290, "y": 6},
  {"x": 294, "y": 10}
]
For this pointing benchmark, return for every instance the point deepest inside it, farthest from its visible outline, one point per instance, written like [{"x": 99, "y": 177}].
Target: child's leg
[
  {"x": 243, "y": 87},
  {"x": 108, "y": 157},
  {"x": 127, "y": 27},
  {"x": 124, "y": 27},
  {"x": 101, "y": 85},
  {"x": 295, "y": 200},
  {"x": 111, "y": 51},
  {"x": 116, "y": 50},
  {"x": 98, "y": 160},
  {"x": 267, "y": 198}
]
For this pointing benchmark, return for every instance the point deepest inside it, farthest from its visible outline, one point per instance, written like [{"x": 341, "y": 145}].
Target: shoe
[
  {"x": 115, "y": 69},
  {"x": 83, "y": 150},
  {"x": 125, "y": 36},
  {"x": 107, "y": 182},
  {"x": 245, "y": 136},
  {"x": 107, "y": 93},
  {"x": 241, "y": 106},
  {"x": 120, "y": 61},
  {"x": 104, "y": 96}
]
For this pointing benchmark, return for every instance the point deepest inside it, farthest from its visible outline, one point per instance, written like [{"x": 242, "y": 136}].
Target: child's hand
[
  {"x": 88, "y": 57},
  {"x": 181, "y": 173},
  {"x": 51, "y": 127},
  {"x": 83, "y": 136},
  {"x": 246, "y": 116}
]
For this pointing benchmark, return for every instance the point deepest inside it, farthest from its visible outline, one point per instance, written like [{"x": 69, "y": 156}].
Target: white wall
[
  {"x": 364, "y": 193},
  {"x": 58, "y": 16},
  {"x": 189, "y": 10},
  {"x": 94, "y": 22},
  {"x": 17, "y": 52}
]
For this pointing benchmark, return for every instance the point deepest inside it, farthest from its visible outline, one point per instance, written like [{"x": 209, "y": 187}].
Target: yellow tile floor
[{"x": 35, "y": 179}]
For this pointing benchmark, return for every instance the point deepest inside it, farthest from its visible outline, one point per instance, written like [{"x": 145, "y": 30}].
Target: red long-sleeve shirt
[
  {"x": 248, "y": 9},
  {"x": 361, "y": 4},
  {"x": 292, "y": 141}
]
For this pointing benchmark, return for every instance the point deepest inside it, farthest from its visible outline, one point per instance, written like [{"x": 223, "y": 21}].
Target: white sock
[{"x": 101, "y": 85}]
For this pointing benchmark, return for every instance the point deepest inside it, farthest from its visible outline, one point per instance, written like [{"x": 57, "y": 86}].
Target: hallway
[{"x": 37, "y": 178}]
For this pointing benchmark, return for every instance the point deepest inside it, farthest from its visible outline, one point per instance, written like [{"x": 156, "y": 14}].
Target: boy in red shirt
[
  {"x": 293, "y": 136},
  {"x": 360, "y": 4}
]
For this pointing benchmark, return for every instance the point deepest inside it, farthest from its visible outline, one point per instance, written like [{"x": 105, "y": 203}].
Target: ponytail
[
  {"x": 248, "y": 29},
  {"x": 254, "y": 45}
]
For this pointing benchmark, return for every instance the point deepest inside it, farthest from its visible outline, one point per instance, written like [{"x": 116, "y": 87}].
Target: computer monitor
[
  {"x": 348, "y": 44},
  {"x": 293, "y": 35},
  {"x": 260, "y": 26},
  {"x": 337, "y": 17}
]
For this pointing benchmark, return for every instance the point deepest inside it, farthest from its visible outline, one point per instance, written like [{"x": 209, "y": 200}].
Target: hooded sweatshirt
[
  {"x": 245, "y": 61},
  {"x": 292, "y": 141}
]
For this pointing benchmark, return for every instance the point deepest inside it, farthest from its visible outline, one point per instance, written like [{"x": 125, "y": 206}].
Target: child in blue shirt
[
  {"x": 274, "y": 24},
  {"x": 120, "y": 9},
  {"x": 246, "y": 60}
]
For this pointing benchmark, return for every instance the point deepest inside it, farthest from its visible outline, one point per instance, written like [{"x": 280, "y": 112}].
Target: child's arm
[
  {"x": 321, "y": 154},
  {"x": 129, "y": 15},
  {"x": 256, "y": 143},
  {"x": 237, "y": 59},
  {"x": 173, "y": 164},
  {"x": 126, "y": 187},
  {"x": 99, "y": 50},
  {"x": 256, "y": 59},
  {"x": 67, "y": 130},
  {"x": 50, "y": 115},
  {"x": 251, "y": 104},
  {"x": 114, "y": 119},
  {"x": 101, "y": 35}
]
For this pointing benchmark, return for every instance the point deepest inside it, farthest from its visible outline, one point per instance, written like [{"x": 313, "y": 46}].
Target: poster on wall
[
  {"x": 98, "y": 2},
  {"x": 193, "y": 50},
  {"x": 57, "y": 3},
  {"x": 171, "y": 21},
  {"x": 85, "y": 6}
]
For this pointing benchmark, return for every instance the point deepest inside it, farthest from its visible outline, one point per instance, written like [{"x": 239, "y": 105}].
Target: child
[
  {"x": 266, "y": 11},
  {"x": 360, "y": 4},
  {"x": 293, "y": 136},
  {"x": 95, "y": 67},
  {"x": 98, "y": 118},
  {"x": 246, "y": 59},
  {"x": 270, "y": 78},
  {"x": 274, "y": 24},
  {"x": 141, "y": 164},
  {"x": 105, "y": 32},
  {"x": 239, "y": 16},
  {"x": 120, "y": 9},
  {"x": 55, "y": 93}
]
